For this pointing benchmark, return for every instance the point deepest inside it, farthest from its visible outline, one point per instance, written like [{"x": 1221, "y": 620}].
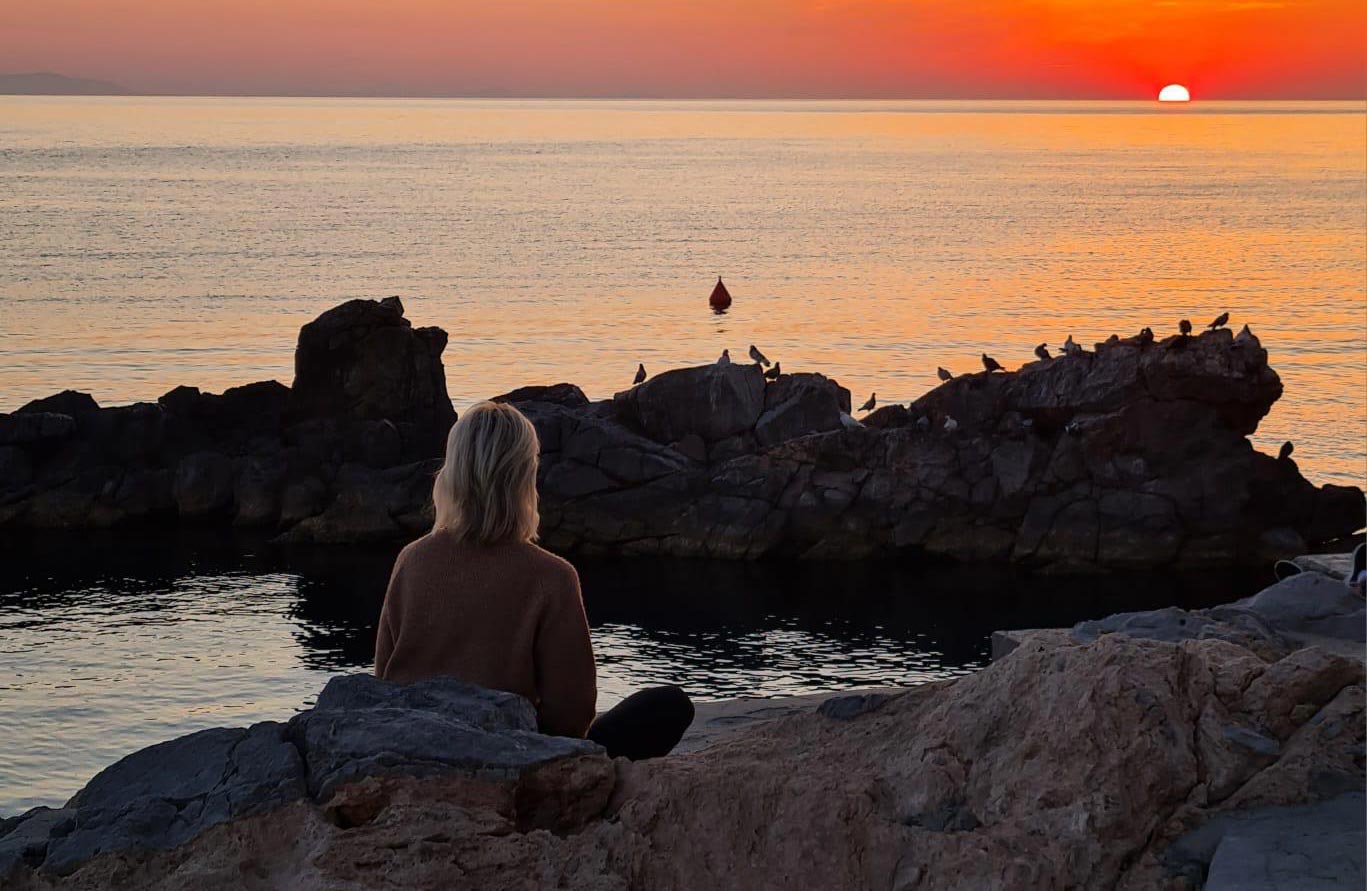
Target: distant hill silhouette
[{"x": 45, "y": 83}]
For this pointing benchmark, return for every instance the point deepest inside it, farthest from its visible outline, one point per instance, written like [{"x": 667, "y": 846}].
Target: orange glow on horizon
[{"x": 1124, "y": 49}]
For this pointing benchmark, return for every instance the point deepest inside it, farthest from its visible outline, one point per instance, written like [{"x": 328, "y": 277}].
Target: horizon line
[{"x": 664, "y": 97}]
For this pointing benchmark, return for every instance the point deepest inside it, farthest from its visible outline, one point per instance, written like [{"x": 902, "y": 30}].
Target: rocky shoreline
[
  {"x": 1131, "y": 456},
  {"x": 1150, "y": 750}
]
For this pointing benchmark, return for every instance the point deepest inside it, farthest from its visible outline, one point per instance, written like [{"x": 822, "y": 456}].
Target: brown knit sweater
[{"x": 507, "y": 616}]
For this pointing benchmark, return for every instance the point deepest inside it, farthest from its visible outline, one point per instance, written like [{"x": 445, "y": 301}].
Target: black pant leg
[{"x": 647, "y": 724}]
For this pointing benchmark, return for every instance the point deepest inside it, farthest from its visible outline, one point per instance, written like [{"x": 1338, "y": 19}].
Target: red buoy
[{"x": 721, "y": 298}]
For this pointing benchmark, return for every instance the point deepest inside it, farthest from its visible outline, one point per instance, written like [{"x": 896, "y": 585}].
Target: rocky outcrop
[
  {"x": 1132, "y": 456},
  {"x": 364, "y": 360},
  {"x": 1118, "y": 762},
  {"x": 353, "y": 436},
  {"x": 362, "y": 734}
]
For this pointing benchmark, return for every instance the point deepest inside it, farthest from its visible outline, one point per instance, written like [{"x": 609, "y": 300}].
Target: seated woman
[{"x": 475, "y": 599}]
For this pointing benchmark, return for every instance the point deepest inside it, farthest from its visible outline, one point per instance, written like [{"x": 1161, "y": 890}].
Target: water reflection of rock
[
  {"x": 686, "y": 619},
  {"x": 700, "y": 614}
]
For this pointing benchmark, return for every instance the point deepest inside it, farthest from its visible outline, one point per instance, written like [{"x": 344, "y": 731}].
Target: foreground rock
[
  {"x": 1119, "y": 763},
  {"x": 1309, "y": 609},
  {"x": 333, "y": 757},
  {"x": 1132, "y": 456}
]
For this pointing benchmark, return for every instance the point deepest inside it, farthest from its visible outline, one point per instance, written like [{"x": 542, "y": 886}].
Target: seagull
[
  {"x": 991, "y": 364},
  {"x": 640, "y": 374},
  {"x": 773, "y": 373},
  {"x": 1072, "y": 427},
  {"x": 943, "y": 374},
  {"x": 1287, "y": 449},
  {"x": 758, "y": 356},
  {"x": 1184, "y": 326},
  {"x": 1071, "y": 348},
  {"x": 1243, "y": 337},
  {"x": 868, "y": 406},
  {"x": 923, "y": 422},
  {"x": 950, "y": 424},
  {"x": 1219, "y": 321},
  {"x": 725, "y": 358},
  {"x": 1042, "y": 352},
  {"x": 1145, "y": 336}
]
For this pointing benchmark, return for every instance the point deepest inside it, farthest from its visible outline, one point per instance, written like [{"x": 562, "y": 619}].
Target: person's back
[
  {"x": 476, "y": 600},
  {"x": 507, "y": 616}
]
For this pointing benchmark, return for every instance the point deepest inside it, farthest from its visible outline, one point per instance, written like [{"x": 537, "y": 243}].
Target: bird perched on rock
[
  {"x": 1286, "y": 450},
  {"x": 1243, "y": 337},
  {"x": 725, "y": 358},
  {"x": 1072, "y": 428},
  {"x": 773, "y": 373},
  {"x": 1219, "y": 322},
  {"x": 991, "y": 364},
  {"x": 758, "y": 356},
  {"x": 943, "y": 374},
  {"x": 868, "y": 406},
  {"x": 640, "y": 374},
  {"x": 1145, "y": 336},
  {"x": 950, "y": 424},
  {"x": 1184, "y": 326},
  {"x": 923, "y": 422},
  {"x": 1070, "y": 348},
  {"x": 1042, "y": 352}
]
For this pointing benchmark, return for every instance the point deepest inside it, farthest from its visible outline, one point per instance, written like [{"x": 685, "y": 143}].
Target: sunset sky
[{"x": 700, "y": 48}]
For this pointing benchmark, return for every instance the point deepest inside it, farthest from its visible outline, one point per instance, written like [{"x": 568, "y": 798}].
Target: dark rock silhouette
[
  {"x": 1126, "y": 458},
  {"x": 364, "y": 360}
]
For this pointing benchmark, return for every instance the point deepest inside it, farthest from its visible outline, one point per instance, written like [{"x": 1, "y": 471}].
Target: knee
[{"x": 673, "y": 698}]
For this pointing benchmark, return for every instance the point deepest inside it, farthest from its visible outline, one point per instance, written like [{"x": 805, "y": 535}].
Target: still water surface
[
  {"x": 111, "y": 644},
  {"x": 148, "y": 243}
]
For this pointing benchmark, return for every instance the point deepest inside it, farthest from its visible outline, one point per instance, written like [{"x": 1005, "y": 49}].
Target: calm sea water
[{"x": 146, "y": 243}]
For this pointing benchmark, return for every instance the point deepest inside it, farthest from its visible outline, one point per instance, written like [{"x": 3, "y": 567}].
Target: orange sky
[{"x": 700, "y": 48}]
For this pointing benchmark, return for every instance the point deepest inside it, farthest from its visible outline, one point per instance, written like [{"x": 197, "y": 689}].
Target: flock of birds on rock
[{"x": 1069, "y": 348}]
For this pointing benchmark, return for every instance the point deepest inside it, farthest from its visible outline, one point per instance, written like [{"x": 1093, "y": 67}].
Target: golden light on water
[{"x": 1174, "y": 93}]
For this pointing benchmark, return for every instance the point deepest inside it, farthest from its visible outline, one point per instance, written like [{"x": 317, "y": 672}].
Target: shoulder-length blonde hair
[{"x": 485, "y": 492}]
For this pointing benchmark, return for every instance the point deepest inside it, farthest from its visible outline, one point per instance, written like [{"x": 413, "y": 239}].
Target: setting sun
[{"x": 1174, "y": 93}]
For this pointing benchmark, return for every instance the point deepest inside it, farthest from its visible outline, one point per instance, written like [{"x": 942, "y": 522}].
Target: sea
[{"x": 151, "y": 242}]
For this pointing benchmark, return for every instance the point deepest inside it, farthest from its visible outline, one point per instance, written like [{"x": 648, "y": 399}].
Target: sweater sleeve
[
  {"x": 566, "y": 682},
  {"x": 385, "y": 635}
]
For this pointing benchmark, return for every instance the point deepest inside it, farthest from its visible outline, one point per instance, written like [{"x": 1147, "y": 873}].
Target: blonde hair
[{"x": 485, "y": 492}]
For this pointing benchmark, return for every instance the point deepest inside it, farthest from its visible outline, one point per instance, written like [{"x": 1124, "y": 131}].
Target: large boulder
[
  {"x": 199, "y": 420},
  {"x": 711, "y": 401},
  {"x": 338, "y": 757},
  {"x": 567, "y": 395},
  {"x": 798, "y": 404},
  {"x": 165, "y": 795},
  {"x": 365, "y": 727},
  {"x": 363, "y": 360},
  {"x": 68, "y": 402}
]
